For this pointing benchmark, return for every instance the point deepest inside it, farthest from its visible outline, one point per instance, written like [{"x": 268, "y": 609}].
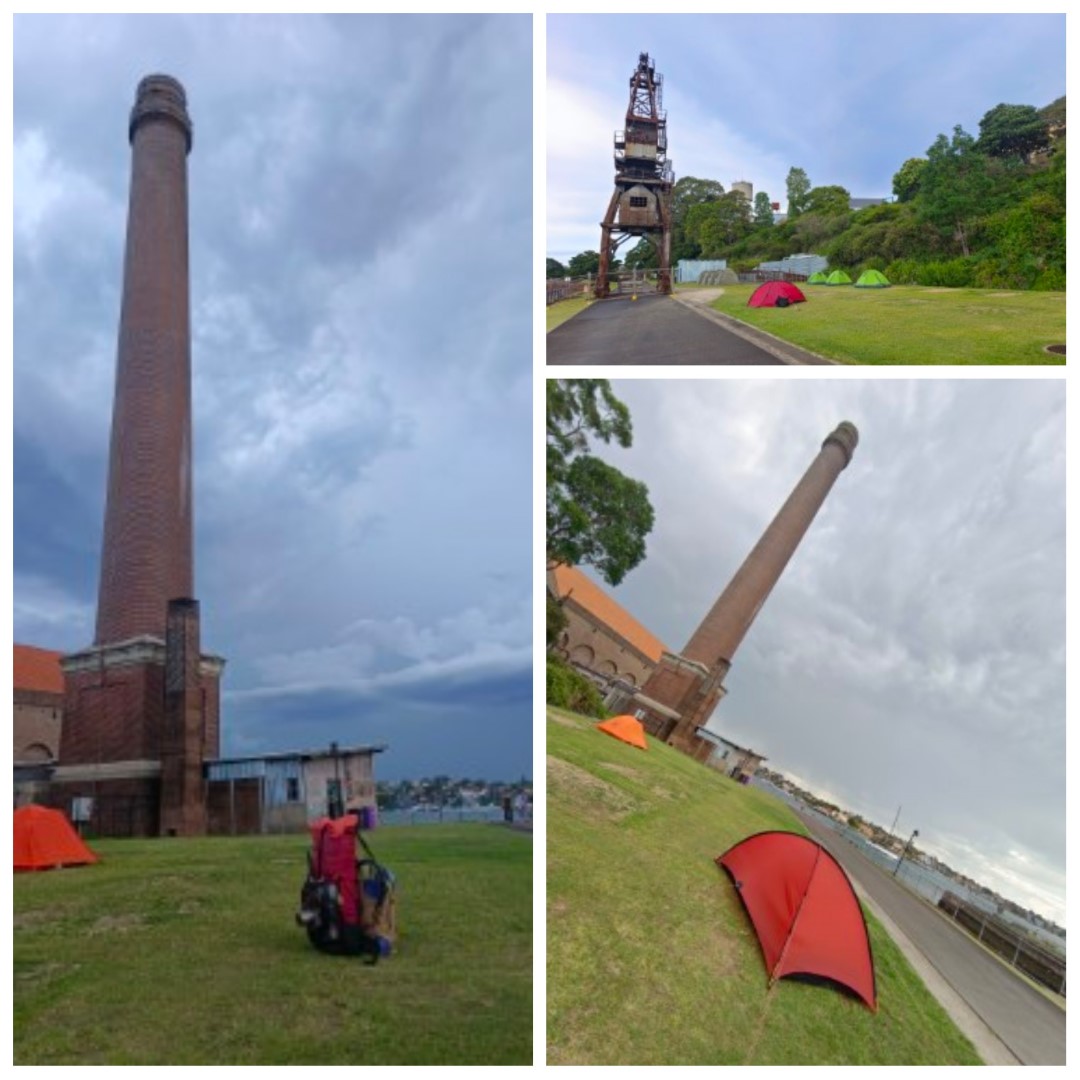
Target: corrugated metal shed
[
  {"x": 689, "y": 270},
  {"x": 797, "y": 264}
]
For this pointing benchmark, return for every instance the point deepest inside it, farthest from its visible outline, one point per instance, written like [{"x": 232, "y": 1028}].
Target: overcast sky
[
  {"x": 360, "y": 199},
  {"x": 848, "y": 98},
  {"x": 913, "y": 652}
]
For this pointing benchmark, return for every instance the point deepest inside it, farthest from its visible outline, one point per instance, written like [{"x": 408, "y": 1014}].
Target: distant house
[
  {"x": 738, "y": 762},
  {"x": 284, "y": 792}
]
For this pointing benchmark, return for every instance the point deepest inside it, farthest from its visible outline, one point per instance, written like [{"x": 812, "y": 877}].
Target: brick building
[
  {"x": 601, "y": 638},
  {"x": 39, "y": 705}
]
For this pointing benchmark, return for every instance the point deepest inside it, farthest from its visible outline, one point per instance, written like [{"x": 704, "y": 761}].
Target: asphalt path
[
  {"x": 1029, "y": 1024},
  {"x": 653, "y": 329}
]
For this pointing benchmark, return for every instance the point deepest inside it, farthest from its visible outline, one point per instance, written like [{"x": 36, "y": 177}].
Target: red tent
[
  {"x": 776, "y": 294},
  {"x": 627, "y": 728},
  {"x": 44, "y": 839},
  {"x": 804, "y": 910}
]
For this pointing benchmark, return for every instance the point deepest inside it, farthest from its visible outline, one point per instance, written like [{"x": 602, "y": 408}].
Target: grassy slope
[
  {"x": 185, "y": 951},
  {"x": 651, "y": 958},
  {"x": 908, "y": 324},
  {"x": 562, "y": 310}
]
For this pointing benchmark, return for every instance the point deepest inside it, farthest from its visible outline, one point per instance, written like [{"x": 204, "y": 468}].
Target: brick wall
[
  {"x": 36, "y": 723},
  {"x": 592, "y": 645}
]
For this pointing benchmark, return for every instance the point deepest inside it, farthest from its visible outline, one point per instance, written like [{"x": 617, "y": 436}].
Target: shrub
[
  {"x": 566, "y": 689},
  {"x": 902, "y": 271},
  {"x": 951, "y": 273},
  {"x": 1050, "y": 280}
]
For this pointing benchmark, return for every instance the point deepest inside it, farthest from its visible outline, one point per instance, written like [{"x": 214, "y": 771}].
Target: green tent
[
  {"x": 838, "y": 277},
  {"x": 872, "y": 279},
  {"x": 817, "y": 278}
]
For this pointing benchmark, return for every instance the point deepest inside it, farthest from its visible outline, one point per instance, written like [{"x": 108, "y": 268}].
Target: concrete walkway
[
  {"x": 665, "y": 330},
  {"x": 1008, "y": 1020}
]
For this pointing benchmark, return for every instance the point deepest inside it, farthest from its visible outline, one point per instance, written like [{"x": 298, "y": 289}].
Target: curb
[{"x": 782, "y": 350}]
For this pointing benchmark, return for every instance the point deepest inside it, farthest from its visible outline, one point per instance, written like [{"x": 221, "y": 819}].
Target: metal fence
[
  {"x": 1038, "y": 964},
  {"x": 435, "y": 815},
  {"x": 568, "y": 288}
]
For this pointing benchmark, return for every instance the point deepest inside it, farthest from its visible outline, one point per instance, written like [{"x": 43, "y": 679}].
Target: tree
[
  {"x": 954, "y": 186},
  {"x": 719, "y": 224},
  {"x": 1013, "y": 131},
  {"x": 555, "y": 269},
  {"x": 691, "y": 191},
  {"x": 905, "y": 183},
  {"x": 595, "y": 515},
  {"x": 763, "y": 212},
  {"x": 798, "y": 187},
  {"x": 642, "y": 256},
  {"x": 688, "y": 192},
  {"x": 828, "y": 200},
  {"x": 585, "y": 264}
]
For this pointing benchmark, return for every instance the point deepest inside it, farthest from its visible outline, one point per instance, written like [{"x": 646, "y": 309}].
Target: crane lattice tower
[{"x": 640, "y": 205}]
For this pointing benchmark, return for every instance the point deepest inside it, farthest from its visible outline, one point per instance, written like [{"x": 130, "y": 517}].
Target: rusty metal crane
[{"x": 640, "y": 206}]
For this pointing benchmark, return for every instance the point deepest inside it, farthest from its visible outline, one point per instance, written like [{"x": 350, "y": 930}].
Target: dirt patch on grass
[
  {"x": 117, "y": 924},
  {"x": 588, "y": 792},
  {"x": 31, "y": 920},
  {"x": 622, "y": 770},
  {"x": 33, "y": 975},
  {"x": 567, "y": 721}
]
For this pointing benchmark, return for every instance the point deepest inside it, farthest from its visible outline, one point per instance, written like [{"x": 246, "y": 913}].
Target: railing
[
  {"x": 1039, "y": 964},
  {"x": 568, "y": 289}
]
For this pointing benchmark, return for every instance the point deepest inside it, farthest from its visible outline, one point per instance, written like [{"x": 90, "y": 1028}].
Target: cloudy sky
[
  {"x": 360, "y": 198},
  {"x": 848, "y": 98},
  {"x": 913, "y": 653}
]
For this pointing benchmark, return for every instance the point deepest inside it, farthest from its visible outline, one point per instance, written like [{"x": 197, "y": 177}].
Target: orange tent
[
  {"x": 627, "y": 728},
  {"x": 44, "y": 839}
]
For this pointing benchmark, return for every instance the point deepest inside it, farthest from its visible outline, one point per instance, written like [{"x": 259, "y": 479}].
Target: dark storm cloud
[
  {"x": 913, "y": 651},
  {"x": 360, "y": 204}
]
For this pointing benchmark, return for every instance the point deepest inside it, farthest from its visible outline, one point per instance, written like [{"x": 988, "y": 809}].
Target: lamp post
[{"x": 911, "y": 840}]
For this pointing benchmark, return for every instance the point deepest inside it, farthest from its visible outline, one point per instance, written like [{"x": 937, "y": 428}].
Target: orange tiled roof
[
  {"x": 38, "y": 669},
  {"x": 588, "y": 595}
]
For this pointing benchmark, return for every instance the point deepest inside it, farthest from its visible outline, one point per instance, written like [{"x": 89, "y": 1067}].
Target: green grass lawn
[
  {"x": 186, "y": 952},
  {"x": 910, "y": 324},
  {"x": 562, "y": 310},
  {"x": 651, "y": 958}
]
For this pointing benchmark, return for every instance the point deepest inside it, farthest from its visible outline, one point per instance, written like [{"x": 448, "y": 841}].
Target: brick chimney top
[
  {"x": 846, "y": 436},
  {"x": 160, "y": 97}
]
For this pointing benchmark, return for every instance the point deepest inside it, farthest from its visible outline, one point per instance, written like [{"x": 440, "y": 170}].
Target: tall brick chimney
[
  {"x": 146, "y": 557},
  {"x": 116, "y": 733},
  {"x": 687, "y": 686}
]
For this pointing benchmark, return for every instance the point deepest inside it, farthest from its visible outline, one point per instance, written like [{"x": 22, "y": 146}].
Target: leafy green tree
[
  {"x": 798, "y": 187},
  {"x": 955, "y": 186},
  {"x": 585, "y": 264},
  {"x": 557, "y": 620},
  {"x": 688, "y": 192},
  {"x": 905, "y": 182},
  {"x": 1013, "y": 131},
  {"x": 555, "y": 269},
  {"x": 595, "y": 514},
  {"x": 828, "y": 200},
  {"x": 715, "y": 226},
  {"x": 642, "y": 256},
  {"x": 763, "y": 212},
  {"x": 692, "y": 191}
]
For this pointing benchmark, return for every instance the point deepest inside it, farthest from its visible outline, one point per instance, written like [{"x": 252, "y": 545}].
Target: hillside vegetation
[
  {"x": 984, "y": 212},
  {"x": 651, "y": 958}
]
